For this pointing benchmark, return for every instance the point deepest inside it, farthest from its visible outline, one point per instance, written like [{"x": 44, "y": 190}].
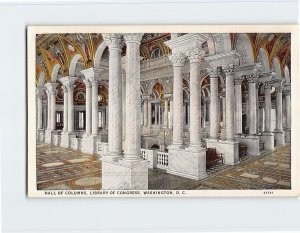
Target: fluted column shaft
[
  {"x": 88, "y": 108},
  {"x": 133, "y": 98},
  {"x": 178, "y": 62},
  {"x": 65, "y": 129},
  {"x": 279, "y": 109},
  {"x": 195, "y": 97},
  {"x": 51, "y": 90},
  {"x": 268, "y": 106},
  {"x": 115, "y": 44},
  {"x": 252, "y": 79},
  {"x": 214, "y": 106},
  {"x": 238, "y": 106},
  {"x": 229, "y": 71},
  {"x": 39, "y": 108},
  {"x": 155, "y": 114}
]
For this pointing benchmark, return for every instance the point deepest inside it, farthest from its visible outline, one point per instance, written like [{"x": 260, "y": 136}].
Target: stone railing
[
  {"x": 162, "y": 160},
  {"x": 151, "y": 157}
]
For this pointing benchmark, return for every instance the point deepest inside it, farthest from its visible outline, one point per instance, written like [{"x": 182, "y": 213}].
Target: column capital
[
  {"x": 268, "y": 84},
  {"x": 287, "y": 92},
  {"x": 92, "y": 73},
  {"x": 238, "y": 80},
  {"x": 252, "y": 78},
  {"x": 39, "y": 91},
  {"x": 68, "y": 82},
  {"x": 87, "y": 83},
  {"x": 213, "y": 72},
  {"x": 51, "y": 88},
  {"x": 168, "y": 97},
  {"x": 177, "y": 59},
  {"x": 195, "y": 55},
  {"x": 229, "y": 70},
  {"x": 133, "y": 37},
  {"x": 113, "y": 40},
  {"x": 279, "y": 88}
]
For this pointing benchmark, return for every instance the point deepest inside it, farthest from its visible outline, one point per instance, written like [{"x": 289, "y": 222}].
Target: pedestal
[
  {"x": 268, "y": 139},
  {"x": 49, "y": 136},
  {"x": 252, "y": 143},
  {"x": 229, "y": 149},
  {"x": 89, "y": 143},
  {"x": 65, "y": 140},
  {"x": 123, "y": 174},
  {"x": 279, "y": 138},
  {"x": 189, "y": 162}
]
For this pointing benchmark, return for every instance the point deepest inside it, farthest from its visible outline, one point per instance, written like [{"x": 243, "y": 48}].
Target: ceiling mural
[{"x": 60, "y": 49}]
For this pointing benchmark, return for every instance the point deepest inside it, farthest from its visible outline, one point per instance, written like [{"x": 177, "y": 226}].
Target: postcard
[{"x": 162, "y": 111}]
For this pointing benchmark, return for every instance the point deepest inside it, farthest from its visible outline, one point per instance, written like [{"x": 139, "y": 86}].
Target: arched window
[{"x": 156, "y": 53}]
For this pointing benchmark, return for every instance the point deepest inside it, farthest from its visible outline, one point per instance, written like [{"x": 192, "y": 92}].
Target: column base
[
  {"x": 288, "y": 135},
  {"x": 229, "y": 149},
  {"x": 49, "y": 136},
  {"x": 65, "y": 141},
  {"x": 40, "y": 135},
  {"x": 125, "y": 175},
  {"x": 56, "y": 139},
  {"x": 252, "y": 143},
  {"x": 268, "y": 139},
  {"x": 279, "y": 137},
  {"x": 189, "y": 163},
  {"x": 89, "y": 143}
]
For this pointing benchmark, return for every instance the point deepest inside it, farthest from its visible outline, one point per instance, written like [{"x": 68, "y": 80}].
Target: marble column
[
  {"x": 278, "y": 132},
  {"x": 159, "y": 115},
  {"x": 39, "y": 91},
  {"x": 238, "y": 105},
  {"x": 224, "y": 107},
  {"x": 145, "y": 113},
  {"x": 287, "y": 94},
  {"x": 88, "y": 107},
  {"x": 195, "y": 57},
  {"x": 166, "y": 110},
  {"x": 133, "y": 99},
  {"x": 171, "y": 113},
  {"x": 149, "y": 113},
  {"x": 252, "y": 79},
  {"x": 230, "y": 71},
  {"x": 214, "y": 102},
  {"x": 48, "y": 109},
  {"x": 268, "y": 136},
  {"x": 155, "y": 114},
  {"x": 70, "y": 87},
  {"x": 178, "y": 61},
  {"x": 115, "y": 44},
  {"x": 92, "y": 79},
  {"x": 65, "y": 129},
  {"x": 52, "y": 90}
]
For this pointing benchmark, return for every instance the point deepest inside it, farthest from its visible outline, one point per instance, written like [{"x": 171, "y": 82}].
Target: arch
[
  {"x": 276, "y": 67},
  {"x": 98, "y": 54},
  {"x": 73, "y": 64},
  {"x": 243, "y": 46},
  {"x": 210, "y": 44},
  {"x": 54, "y": 72},
  {"x": 154, "y": 82},
  {"x": 155, "y": 146},
  {"x": 263, "y": 58},
  {"x": 287, "y": 75}
]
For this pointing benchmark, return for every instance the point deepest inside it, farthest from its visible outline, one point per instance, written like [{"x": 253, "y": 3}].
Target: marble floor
[{"x": 59, "y": 168}]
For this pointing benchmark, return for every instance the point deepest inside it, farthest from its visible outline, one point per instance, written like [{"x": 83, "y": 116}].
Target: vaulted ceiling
[{"x": 53, "y": 49}]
